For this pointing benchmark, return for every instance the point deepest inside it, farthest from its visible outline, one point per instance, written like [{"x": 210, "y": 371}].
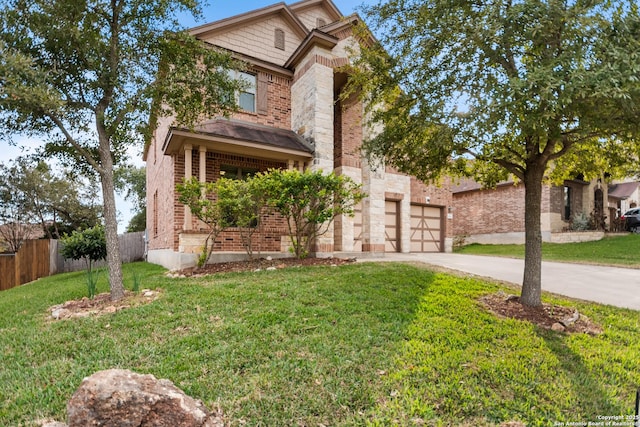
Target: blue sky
[{"x": 216, "y": 10}]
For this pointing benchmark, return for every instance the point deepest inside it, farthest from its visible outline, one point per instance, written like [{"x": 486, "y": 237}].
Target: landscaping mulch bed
[
  {"x": 260, "y": 264},
  {"x": 556, "y": 317}
]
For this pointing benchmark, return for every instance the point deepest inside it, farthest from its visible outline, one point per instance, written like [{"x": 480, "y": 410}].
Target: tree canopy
[
  {"x": 37, "y": 197},
  {"x": 487, "y": 89},
  {"x": 92, "y": 78}
]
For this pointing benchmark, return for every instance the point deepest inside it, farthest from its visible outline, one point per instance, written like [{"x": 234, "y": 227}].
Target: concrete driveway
[{"x": 615, "y": 286}]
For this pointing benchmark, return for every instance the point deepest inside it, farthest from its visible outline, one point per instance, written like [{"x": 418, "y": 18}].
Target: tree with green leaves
[
  {"x": 309, "y": 201},
  {"x": 36, "y": 194},
  {"x": 201, "y": 198},
  {"x": 93, "y": 77},
  {"x": 488, "y": 89},
  {"x": 90, "y": 245},
  {"x": 242, "y": 202}
]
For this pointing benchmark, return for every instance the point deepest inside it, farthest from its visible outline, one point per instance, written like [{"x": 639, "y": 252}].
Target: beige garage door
[
  {"x": 426, "y": 228},
  {"x": 391, "y": 227}
]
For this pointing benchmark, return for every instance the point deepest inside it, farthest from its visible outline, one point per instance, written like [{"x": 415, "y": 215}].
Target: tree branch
[{"x": 71, "y": 140}]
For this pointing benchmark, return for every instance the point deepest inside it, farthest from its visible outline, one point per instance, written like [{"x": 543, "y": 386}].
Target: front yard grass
[
  {"x": 365, "y": 344},
  {"x": 623, "y": 251}
]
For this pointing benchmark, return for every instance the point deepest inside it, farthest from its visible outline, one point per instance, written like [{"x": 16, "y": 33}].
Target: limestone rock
[
  {"x": 557, "y": 327},
  {"x": 121, "y": 398}
]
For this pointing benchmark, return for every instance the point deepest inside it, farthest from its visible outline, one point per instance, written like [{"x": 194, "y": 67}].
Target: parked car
[{"x": 632, "y": 220}]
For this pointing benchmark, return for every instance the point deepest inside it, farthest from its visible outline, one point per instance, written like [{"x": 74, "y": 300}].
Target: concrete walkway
[{"x": 615, "y": 286}]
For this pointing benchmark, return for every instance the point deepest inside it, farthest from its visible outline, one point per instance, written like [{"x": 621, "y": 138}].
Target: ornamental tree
[
  {"x": 488, "y": 89},
  {"x": 90, "y": 245},
  {"x": 309, "y": 201}
]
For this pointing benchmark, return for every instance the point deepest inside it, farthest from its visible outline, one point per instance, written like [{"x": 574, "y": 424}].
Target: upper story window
[
  {"x": 320, "y": 22},
  {"x": 246, "y": 98},
  {"x": 279, "y": 39}
]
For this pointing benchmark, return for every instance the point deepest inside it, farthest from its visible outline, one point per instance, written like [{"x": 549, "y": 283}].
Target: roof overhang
[
  {"x": 224, "y": 136},
  {"x": 314, "y": 38},
  {"x": 328, "y": 6},
  {"x": 207, "y": 30},
  {"x": 622, "y": 191}
]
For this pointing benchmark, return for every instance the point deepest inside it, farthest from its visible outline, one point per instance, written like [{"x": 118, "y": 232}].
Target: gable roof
[
  {"x": 327, "y": 5},
  {"x": 314, "y": 38},
  {"x": 222, "y": 25},
  {"x": 623, "y": 190}
]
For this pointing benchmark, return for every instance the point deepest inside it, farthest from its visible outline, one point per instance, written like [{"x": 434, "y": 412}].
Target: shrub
[{"x": 90, "y": 245}]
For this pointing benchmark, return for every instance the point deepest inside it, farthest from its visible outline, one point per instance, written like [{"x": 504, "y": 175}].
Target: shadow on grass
[{"x": 591, "y": 391}]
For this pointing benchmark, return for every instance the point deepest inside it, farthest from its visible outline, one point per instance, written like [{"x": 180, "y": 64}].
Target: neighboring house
[
  {"x": 497, "y": 215},
  {"x": 291, "y": 117},
  {"x": 14, "y": 234},
  {"x": 622, "y": 197}
]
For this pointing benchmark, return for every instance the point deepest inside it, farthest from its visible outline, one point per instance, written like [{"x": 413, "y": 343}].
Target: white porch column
[
  {"x": 203, "y": 163},
  {"x": 188, "y": 170}
]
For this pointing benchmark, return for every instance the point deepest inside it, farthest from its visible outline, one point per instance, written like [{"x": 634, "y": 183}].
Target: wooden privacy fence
[
  {"x": 41, "y": 258},
  {"x": 131, "y": 249},
  {"x": 31, "y": 262}
]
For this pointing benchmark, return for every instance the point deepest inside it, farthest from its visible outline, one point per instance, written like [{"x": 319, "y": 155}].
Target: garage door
[
  {"x": 391, "y": 227},
  {"x": 426, "y": 228}
]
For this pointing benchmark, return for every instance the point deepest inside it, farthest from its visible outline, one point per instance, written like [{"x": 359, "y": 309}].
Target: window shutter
[{"x": 261, "y": 101}]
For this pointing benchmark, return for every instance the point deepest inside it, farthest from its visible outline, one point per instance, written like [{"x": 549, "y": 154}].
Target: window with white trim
[{"x": 246, "y": 97}]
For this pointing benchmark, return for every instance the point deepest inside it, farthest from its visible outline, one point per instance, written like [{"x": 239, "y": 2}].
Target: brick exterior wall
[
  {"x": 160, "y": 192},
  {"x": 489, "y": 211},
  {"x": 273, "y": 227},
  {"x": 501, "y": 210},
  {"x": 278, "y": 113},
  {"x": 348, "y": 133}
]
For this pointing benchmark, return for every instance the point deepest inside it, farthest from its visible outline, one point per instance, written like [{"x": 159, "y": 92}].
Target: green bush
[{"x": 90, "y": 245}]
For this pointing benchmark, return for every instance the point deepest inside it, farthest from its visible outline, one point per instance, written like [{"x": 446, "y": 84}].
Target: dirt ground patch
[
  {"x": 556, "y": 317},
  {"x": 259, "y": 264},
  {"x": 101, "y": 304}
]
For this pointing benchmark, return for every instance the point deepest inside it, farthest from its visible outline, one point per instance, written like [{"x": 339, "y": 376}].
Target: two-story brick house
[{"x": 292, "y": 116}]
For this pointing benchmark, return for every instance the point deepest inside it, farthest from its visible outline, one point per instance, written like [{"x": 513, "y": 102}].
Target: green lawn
[
  {"x": 364, "y": 344},
  {"x": 618, "y": 250}
]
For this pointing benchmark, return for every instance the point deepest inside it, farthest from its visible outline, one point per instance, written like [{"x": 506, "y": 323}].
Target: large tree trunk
[
  {"x": 114, "y": 263},
  {"x": 532, "y": 283}
]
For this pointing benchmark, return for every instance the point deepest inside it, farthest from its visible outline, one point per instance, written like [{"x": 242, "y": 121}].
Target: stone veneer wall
[{"x": 312, "y": 117}]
